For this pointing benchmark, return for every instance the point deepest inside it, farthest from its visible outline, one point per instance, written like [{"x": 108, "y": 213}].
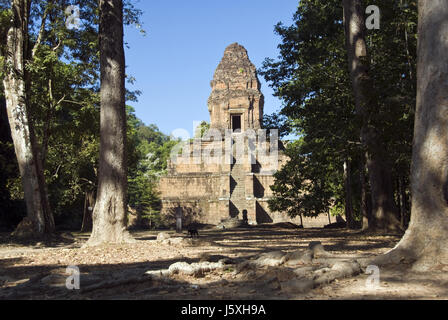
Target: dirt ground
[{"x": 36, "y": 270}]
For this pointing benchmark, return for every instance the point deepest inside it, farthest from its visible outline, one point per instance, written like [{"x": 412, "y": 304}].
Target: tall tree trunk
[
  {"x": 383, "y": 206},
  {"x": 109, "y": 215},
  {"x": 404, "y": 204},
  {"x": 402, "y": 201},
  {"x": 425, "y": 242},
  {"x": 363, "y": 204},
  {"x": 348, "y": 194},
  {"x": 39, "y": 218},
  {"x": 89, "y": 204}
]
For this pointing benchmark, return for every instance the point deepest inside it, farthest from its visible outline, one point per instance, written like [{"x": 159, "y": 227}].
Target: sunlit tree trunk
[
  {"x": 384, "y": 211},
  {"x": 39, "y": 218},
  {"x": 425, "y": 243},
  {"x": 109, "y": 215}
]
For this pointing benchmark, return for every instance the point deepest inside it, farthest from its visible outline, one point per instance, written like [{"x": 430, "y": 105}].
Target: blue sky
[{"x": 174, "y": 63}]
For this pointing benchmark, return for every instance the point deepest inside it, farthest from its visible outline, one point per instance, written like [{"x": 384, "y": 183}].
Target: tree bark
[
  {"x": 89, "y": 204},
  {"x": 348, "y": 194},
  {"x": 109, "y": 215},
  {"x": 401, "y": 186},
  {"x": 404, "y": 204},
  {"x": 363, "y": 205},
  {"x": 425, "y": 243},
  {"x": 383, "y": 207},
  {"x": 39, "y": 218}
]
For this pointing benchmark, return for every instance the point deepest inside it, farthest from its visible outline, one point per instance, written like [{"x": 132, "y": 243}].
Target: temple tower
[
  {"x": 212, "y": 192},
  {"x": 236, "y": 101}
]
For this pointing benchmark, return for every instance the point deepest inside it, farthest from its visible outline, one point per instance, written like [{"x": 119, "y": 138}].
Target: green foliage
[
  {"x": 201, "y": 129},
  {"x": 279, "y": 122},
  {"x": 148, "y": 155},
  {"x": 312, "y": 79},
  {"x": 64, "y": 105},
  {"x": 11, "y": 210}
]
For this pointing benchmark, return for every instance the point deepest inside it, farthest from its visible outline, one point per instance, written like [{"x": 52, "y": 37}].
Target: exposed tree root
[{"x": 294, "y": 272}]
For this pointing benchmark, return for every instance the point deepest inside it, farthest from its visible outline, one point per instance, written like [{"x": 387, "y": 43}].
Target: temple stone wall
[
  {"x": 262, "y": 185},
  {"x": 192, "y": 186}
]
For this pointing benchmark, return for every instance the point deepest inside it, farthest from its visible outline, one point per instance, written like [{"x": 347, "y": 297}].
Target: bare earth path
[{"x": 38, "y": 270}]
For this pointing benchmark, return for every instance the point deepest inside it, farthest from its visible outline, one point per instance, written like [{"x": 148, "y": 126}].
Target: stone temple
[{"x": 227, "y": 173}]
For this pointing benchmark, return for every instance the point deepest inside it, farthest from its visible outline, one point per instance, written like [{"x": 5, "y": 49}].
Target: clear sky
[{"x": 174, "y": 63}]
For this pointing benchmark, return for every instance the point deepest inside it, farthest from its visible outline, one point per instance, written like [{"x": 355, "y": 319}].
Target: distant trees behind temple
[
  {"x": 150, "y": 151},
  {"x": 354, "y": 155},
  {"x": 72, "y": 172},
  {"x": 62, "y": 103}
]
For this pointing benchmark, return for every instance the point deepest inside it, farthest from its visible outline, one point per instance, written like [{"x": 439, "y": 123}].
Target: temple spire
[{"x": 236, "y": 101}]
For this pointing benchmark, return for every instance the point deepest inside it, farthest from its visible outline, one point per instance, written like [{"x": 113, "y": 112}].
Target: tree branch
[{"x": 41, "y": 30}]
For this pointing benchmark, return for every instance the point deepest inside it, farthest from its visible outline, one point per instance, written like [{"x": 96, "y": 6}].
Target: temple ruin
[{"x": 227, "y": 173}]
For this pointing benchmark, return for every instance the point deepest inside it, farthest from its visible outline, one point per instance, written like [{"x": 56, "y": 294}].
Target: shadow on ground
[{"x": 22, "y": 278}]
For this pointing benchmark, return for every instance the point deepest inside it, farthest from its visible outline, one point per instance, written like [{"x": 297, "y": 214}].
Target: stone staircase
[{"x": 237, "y": 191}]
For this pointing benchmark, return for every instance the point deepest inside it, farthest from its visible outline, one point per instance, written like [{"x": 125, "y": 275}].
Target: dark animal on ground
[{"x": 193, "y": 233}]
